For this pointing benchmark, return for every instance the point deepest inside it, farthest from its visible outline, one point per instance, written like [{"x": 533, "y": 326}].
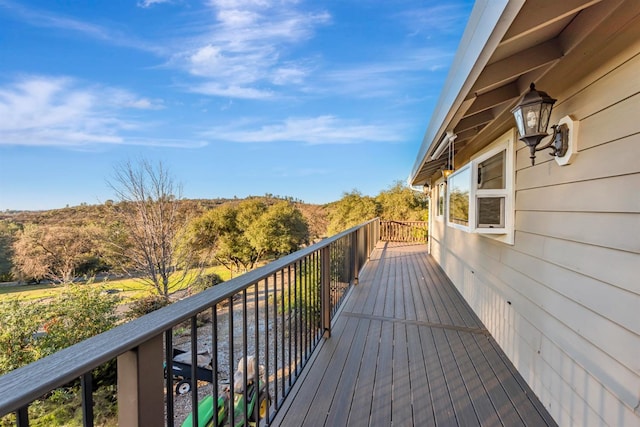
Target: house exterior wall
[{"x": 564, "y": 300}]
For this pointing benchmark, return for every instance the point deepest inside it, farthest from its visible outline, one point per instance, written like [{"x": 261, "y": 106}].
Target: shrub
[
  {"x": 63, "y": 407},
  {"x": 19, "y": 323},
  {"x": 146, "y": 305},
  {"x": 205, "y": 281},
  {"x": 78, "y": 313}
]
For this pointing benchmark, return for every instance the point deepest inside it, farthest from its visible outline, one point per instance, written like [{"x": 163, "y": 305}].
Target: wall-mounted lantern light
[
  {"x": 449, "y": 167},
  {"x": 532, "y": 118}
]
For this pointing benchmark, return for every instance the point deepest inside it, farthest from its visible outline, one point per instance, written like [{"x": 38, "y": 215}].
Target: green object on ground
[
  {"x": 205, "y": 409},
  {"x": 205, "y": 413}
]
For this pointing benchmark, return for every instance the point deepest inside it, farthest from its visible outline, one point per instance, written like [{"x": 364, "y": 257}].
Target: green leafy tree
[
  {"x": 218, "y": 234},
  {"x": 401, "y": 203},
  {"x": 227, "y": 226},
  {"x": 239, "y": 236},
  {"x": 351, "y": 210},
  {"x": 279, "y": 231}
]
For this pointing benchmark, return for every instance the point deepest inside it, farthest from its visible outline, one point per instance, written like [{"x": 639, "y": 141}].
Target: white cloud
[
  {"x": 403, "y": 69},
  {"x": 440, "y": 18},
  {"x": 45, "y": 19},
  {"x": 120, "y": 98},
  {"x": 149, "y": 3},
  {"x": 244, "y": 53},
  {"x": 143, "y": 104},
  {"x": 206, "y": 56},
  {"x": 57, "y": 111},
  {"x": 216, "y": 89},
  {"x": 313, "y": 130},
  {"x": 289, "y": 74},
  {"x": 249, "y": 49}
]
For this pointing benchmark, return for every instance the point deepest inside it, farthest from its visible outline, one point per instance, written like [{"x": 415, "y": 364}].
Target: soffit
[{"x": 533, "y": 44}]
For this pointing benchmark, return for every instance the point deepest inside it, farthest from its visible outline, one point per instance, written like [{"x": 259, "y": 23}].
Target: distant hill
[{"x": 316, "y": 215}]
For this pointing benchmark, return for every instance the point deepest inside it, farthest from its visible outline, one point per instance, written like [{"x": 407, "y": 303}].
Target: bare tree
[{"x": 152, "y": 248}]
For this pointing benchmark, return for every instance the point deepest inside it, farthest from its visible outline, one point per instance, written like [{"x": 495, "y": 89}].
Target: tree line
[{"x": 155, "y": 235}]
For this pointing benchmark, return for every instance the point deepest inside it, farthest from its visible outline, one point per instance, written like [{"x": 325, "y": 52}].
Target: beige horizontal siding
[
  {"x": 564, "y": 300},
  {"x": 612, "y": 230},
  {"x": 566, "y": 333},
  {"x": 577, "y": 252},
  {"x": 596, "y": 195},
  {"x": 617, "y": 158},
  {"x": 605, "y": 265}
]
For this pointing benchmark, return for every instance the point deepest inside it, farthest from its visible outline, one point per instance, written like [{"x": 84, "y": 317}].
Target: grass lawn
[{"x": 130, "y": 289}]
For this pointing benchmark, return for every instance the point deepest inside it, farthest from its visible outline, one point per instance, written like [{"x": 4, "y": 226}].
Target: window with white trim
[
  {"x": 458, "y": 196},
  {"x": 480, "y": 195},
  {"x": 441, "y": 194}
]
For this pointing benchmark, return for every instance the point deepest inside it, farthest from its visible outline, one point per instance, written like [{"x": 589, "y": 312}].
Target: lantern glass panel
[
  {"x": 531, "y": 115},
  {"x": 545, "y": 114},
  {"x": 517, "y": 113}
]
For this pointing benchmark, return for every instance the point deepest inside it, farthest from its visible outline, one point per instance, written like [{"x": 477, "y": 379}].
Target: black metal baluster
[
  {"x": 22, "y": 417},
  {"x": 266, "y": 340},
  {"x": 256, "y": 346},
  {"x": 305, "y": 304},
  {"x": 245, "y": 356},
  {"x": 86, "y": 386},
  {"x": 283, "y": 323},
  {"x": 312, "y": 299},
  {"x": 289, "y": 310},
  {"x": 232, "y": 418},
  {"x": 214, "y": 361},
  {"x": 275, "y": 332},
  {"x": 194, "y": 370},
  {"x": 295, "y": 324}
]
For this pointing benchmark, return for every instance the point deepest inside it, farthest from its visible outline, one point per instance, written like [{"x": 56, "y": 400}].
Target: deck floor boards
[{"x": 406, "y": 349}]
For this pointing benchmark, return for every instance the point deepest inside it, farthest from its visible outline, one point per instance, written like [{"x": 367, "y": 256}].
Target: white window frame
[
  {"x": 467, "y": 228},
  {"x": 506, "y": 233},
  {"x": 441, "y": 199}
]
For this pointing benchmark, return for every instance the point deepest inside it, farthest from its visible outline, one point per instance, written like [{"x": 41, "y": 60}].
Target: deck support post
[
  {"x": 325, "y": 290},
  {"x": 140, "y": 385}
]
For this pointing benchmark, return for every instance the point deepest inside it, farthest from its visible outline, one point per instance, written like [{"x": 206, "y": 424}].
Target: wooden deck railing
[
  {"x": 403, "y": 231},
  {"x": 278, "y": 313}
]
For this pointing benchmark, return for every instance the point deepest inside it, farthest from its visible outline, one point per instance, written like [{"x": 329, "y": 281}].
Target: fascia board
[{"x": 488, "y": 23}]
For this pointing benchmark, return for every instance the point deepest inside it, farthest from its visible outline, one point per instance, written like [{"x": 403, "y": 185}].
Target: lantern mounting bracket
[{"x": 558, "y": 144}]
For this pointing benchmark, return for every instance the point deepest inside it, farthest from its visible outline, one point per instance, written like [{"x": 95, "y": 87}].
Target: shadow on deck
[{"x": 406, "y": 349}]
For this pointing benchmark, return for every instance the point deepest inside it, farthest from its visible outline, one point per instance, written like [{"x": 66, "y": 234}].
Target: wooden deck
[{"x": 406, "y": 350}]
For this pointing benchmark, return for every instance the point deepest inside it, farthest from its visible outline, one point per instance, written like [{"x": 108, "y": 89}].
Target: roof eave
[{"x": 488, "y": 23}]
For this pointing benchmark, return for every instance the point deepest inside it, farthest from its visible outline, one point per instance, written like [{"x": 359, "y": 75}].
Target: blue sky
[{"x": 308, "y": 99}]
